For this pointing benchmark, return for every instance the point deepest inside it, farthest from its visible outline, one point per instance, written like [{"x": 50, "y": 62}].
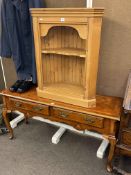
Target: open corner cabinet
[{"x": 67, "y": 43}]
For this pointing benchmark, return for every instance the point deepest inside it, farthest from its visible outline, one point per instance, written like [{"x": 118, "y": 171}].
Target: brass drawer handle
[
  {"x": 38, "y": 108},
  {"x": 63, "y": 115},
  {"x": 89, "y": 120},
  {"x": 18, "y": 104}
]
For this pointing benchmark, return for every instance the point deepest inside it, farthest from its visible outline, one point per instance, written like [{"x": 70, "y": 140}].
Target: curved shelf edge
[{"x": 82, "y": 30}]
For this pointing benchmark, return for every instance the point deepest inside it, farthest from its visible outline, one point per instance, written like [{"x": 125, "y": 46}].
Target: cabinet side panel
[
  {"x": 93, "y": 44},
  {"x": 38, "y": 52}
]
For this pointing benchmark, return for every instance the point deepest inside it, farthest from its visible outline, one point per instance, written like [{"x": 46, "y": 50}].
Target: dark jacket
[{"x": 16, "y": 39}]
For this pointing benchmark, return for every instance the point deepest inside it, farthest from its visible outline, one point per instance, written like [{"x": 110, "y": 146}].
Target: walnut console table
[{"x": 104, "y": 118}]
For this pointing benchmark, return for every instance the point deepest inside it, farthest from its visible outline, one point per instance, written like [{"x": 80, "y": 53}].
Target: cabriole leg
[
  {"x": 112, "y": 140},
  {"x": 7, "y": 122}
]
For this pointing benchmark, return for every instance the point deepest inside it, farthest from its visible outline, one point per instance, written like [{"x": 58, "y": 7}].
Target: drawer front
[
  {"x": 79, "y": 117},
  {"x": 126, "y": 137},
  {"x": 29, "y": 106},
  {"x": 62, "y": 20}
]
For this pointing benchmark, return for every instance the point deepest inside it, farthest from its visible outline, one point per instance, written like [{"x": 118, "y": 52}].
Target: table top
[{"x": 106, "y": 106}]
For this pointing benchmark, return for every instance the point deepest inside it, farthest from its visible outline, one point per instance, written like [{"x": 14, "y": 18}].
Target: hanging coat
[
  {"x": 16, "y": 39},
  {"x": 5, "y": 50}
]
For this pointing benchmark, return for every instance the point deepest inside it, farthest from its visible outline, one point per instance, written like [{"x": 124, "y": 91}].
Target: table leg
[
  {"x": 7, "y": 122},
  {"x": 26, "y": 118},
  {"x": 112, "y": 141}
]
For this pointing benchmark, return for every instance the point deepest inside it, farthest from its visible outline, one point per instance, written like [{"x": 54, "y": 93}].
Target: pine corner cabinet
[{"x": 67, "y": 42}]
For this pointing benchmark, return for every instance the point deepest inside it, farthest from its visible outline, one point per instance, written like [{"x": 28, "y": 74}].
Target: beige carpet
[{"x": 32, "y": 153}]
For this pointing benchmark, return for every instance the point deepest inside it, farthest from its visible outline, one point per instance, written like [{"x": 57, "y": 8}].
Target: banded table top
[{"x": 106, "y": 106}]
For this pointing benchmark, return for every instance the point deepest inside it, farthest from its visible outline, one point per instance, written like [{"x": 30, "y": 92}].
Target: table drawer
[
  {"x": 62, "y": 20},
  {"x": 79, "y": 117},
  {"x": 29, "y": 106},
  {"x": 126, "y": 137}
]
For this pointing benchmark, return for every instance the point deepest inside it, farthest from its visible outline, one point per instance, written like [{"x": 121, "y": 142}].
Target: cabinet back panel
[
  {"x": 65, "y": 69},
  {"x": 60, "y": 68}
]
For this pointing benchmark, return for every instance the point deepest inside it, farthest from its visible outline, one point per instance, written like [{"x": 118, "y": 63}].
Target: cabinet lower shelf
[
  {"x": 66, "y": 51},
  {"x": 67, "y": 93}
]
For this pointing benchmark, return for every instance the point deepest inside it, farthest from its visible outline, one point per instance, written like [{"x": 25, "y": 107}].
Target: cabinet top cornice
[{"x": 68, "y": 11}]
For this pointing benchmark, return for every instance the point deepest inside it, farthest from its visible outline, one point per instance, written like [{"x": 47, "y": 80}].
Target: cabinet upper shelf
[{"x": 66, "y": 51}]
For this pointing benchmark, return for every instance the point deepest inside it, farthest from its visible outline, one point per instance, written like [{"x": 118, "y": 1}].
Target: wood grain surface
[{"x": 109, "y": 107}]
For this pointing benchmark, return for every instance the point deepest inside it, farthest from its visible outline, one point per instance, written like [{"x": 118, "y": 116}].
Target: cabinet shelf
[{"x": 66, "y": 51}]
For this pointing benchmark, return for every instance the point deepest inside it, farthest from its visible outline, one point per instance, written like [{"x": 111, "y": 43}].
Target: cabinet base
[{"x": 66, "y": 97}]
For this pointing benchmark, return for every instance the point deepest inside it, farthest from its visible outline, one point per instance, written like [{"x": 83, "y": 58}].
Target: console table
[{"x": 103, "y": 119}]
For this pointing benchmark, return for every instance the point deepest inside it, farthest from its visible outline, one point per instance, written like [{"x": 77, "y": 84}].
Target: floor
[{"x": 32, "y": 153}]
